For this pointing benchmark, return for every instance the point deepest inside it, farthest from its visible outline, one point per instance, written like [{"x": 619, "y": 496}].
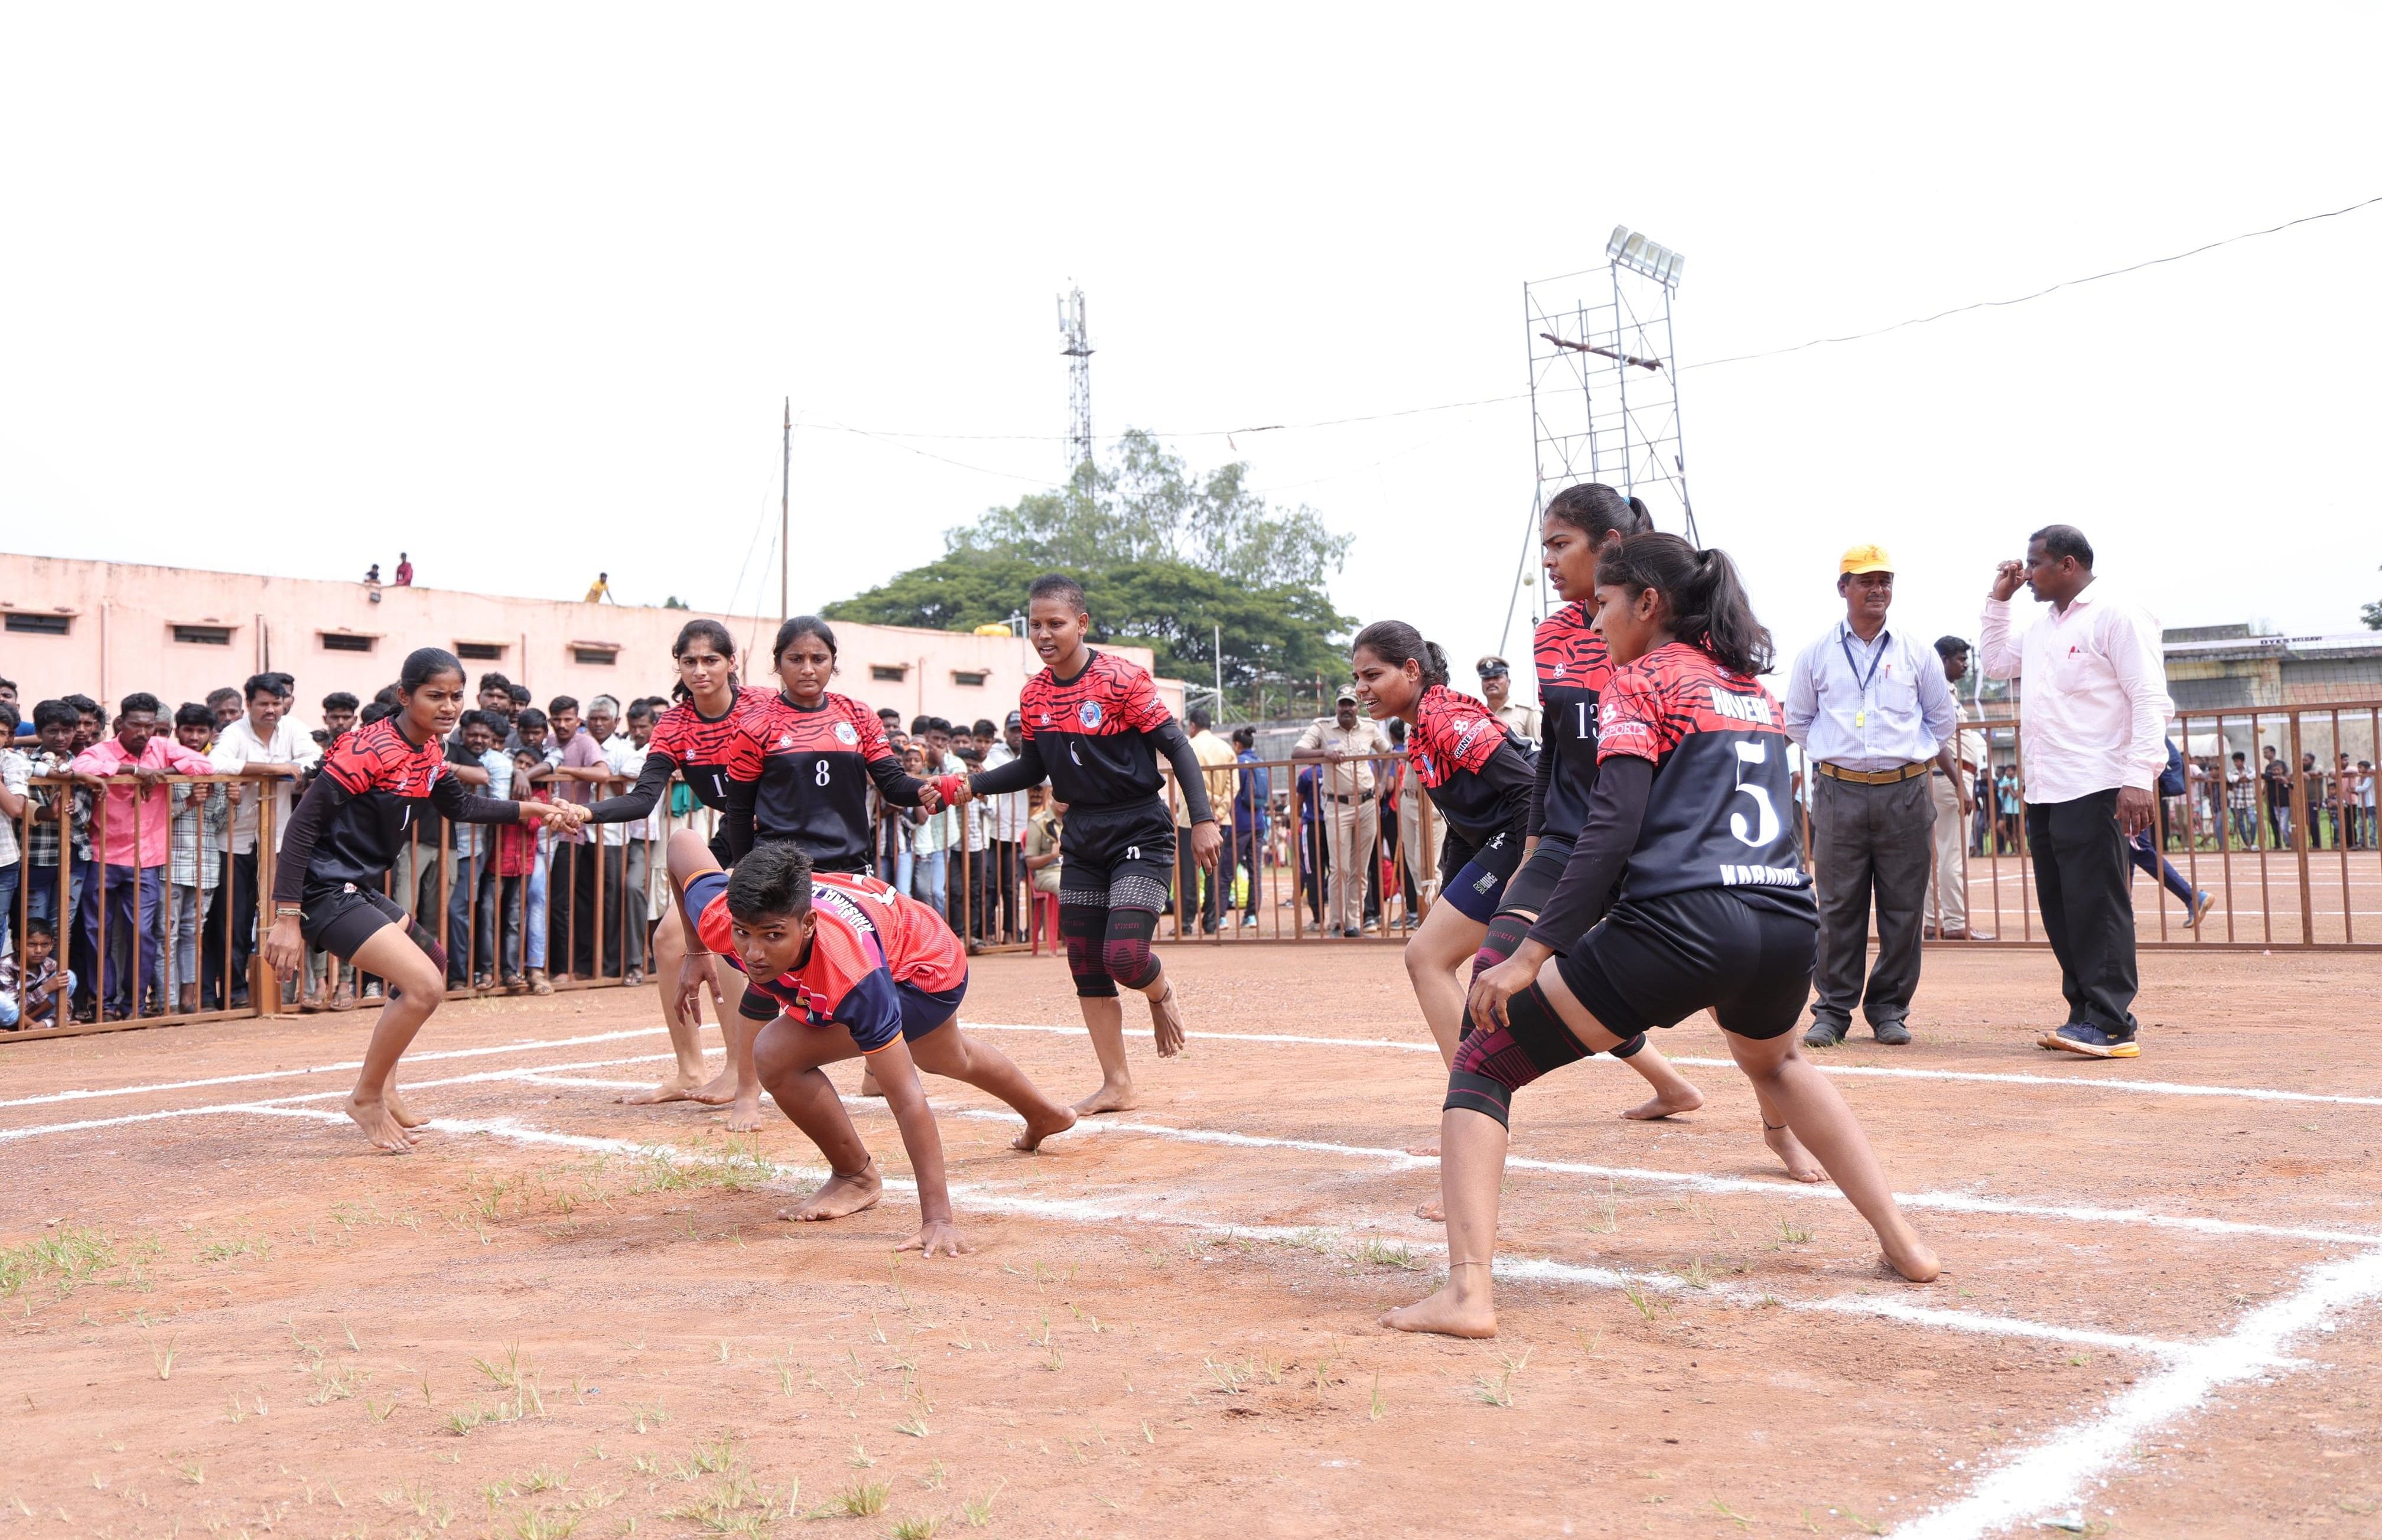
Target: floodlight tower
[
  {"x": 1079, "y": 382},
  {"x": 1605, "y": 400}
]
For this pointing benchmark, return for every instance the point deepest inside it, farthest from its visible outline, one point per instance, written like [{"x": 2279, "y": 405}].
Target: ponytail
[
  {"x": 1705, "y": 595},
  {"x": 1397, "y": 644},
  {"x": 1599, "y": 512}
]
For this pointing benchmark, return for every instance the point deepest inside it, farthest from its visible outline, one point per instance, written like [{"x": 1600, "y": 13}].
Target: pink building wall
[{"x": 121, "y": 620}]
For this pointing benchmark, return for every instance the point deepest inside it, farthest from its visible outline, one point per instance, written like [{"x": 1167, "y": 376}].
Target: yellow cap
[{"x": 1866, "y": 559}]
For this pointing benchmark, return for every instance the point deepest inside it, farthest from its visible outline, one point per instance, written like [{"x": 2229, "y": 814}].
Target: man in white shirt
[
  {"x": 1947, "y": 889},
  {"x": 2092, "y": 711},
  {"x": 263, "y": 745},
  {"x": 1007, "y": 813},
  {"x": 1872, "y": 711}
]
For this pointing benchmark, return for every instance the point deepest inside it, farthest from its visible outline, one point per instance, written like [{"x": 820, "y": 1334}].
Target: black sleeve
[
  {"x": 639, "y": 799},
  {"x": 736, "y": 823},
  {"x": 322, "y": 799},
  {"x": 894, "y": 784},
  {"x": 468, "y": 807},
  {"x": 1514, "y": 779},
  {"x": 1189, "y": 772},
  {"x": 1615, "y": 809},
  {"x": 1024, "y": 771},
  {"x": 1543, "y": 779}
]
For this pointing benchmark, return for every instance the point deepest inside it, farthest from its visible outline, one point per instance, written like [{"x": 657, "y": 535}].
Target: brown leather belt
[{"x": 1875, "y": 778}]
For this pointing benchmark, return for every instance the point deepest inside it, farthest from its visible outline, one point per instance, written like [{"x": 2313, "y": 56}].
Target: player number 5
[{"x": 1765, "y": 831}]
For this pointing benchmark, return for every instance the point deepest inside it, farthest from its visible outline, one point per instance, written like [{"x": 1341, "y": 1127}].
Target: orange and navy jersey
[
  {"x": 1721, "y": 812},
  {"x": 1572, "y": 666},
  {"x": 1091, "y": 733},
  {"x": 809, "y": 773},
  {"x": 1455, "y": 741},
  {"x": 386, "y": 782},
  {"x": 707, "y": 751},
  {"x": 868, "y": 938}
]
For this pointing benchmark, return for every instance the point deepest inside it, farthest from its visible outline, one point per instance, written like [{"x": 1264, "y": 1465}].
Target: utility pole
[
  {"x": 1079, "y": 380},
  {"x": 785, "y": 516}
]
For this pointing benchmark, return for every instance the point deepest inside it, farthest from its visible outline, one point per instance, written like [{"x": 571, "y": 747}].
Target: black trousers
[
  {"x": 1207, "y": 907},
  {"x": 1002, "y": 865},
  {"x": 2080, "y": 884},
  {"x": 234, "y": 921},
  {"x": 572, "y": 921},
  {"x": 1869, "y": 844}
]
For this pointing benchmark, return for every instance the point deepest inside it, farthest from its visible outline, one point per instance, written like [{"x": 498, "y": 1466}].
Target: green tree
[
  {"x": 2373, "y": 613},
  {"x": 1167, "y": 561}
]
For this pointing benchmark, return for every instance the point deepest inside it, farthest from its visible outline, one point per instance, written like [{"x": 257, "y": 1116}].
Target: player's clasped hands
[{"x": 561, "y": 817}]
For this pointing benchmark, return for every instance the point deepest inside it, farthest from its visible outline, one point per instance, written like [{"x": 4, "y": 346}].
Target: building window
[
  {"x": 205, "y": 636},
  {"x": 345, "y": 642},
  {"x": 480, "y": 652},
  {"x": 889, "y": 673},
  {"x": 599, "y": 656},
  {"x": 970, "y": 676},
  {"x": 40, "y": 625}
]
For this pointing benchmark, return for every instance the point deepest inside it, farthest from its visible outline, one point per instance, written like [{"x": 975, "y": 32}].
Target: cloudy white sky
[{"x": 519, "y": 289}]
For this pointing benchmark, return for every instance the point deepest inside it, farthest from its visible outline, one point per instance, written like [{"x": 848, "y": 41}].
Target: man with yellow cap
[{"x": 1873, "y": 714}]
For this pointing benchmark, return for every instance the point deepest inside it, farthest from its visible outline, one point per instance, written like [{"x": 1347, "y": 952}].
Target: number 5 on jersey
[{"x": 1765, "y": 828}]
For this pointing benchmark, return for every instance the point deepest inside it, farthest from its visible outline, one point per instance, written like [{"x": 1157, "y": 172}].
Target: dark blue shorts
[
  {"x": 1473, "y": 880},
  {"x": 924, "y": 1011}
]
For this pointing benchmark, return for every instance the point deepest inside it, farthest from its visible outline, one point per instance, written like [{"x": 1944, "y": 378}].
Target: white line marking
[
  {"x": 2055, "y": 1474},
  {"x": 1085, "y": 1211}
]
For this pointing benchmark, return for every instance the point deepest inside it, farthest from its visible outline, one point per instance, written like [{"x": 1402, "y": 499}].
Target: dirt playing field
[{"x": 227, "y": 1315}]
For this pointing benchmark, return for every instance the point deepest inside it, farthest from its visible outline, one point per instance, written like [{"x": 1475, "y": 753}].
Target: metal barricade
[{"x": 2290, "y": 856}]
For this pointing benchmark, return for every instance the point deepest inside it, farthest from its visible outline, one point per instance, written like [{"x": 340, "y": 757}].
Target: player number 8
[{"x": 820, "y": 779}]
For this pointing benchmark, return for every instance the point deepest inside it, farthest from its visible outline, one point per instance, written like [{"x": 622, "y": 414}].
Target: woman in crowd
[
  {"x": 1686, "y": 891},
  {"x": 341, "y": 843}
]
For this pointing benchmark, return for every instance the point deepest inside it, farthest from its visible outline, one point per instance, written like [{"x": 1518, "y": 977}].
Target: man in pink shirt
[{"x": 136, "y": 820}]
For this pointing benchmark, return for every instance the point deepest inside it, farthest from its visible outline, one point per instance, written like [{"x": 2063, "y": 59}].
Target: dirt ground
[{"x": 227, "y": 1314}]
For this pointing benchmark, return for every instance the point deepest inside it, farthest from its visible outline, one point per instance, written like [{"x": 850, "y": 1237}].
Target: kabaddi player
[
  {"x": 340, "y": 846},
  {"x": 839, "y": 965},
  {"x": 1094, "y": 728},
  {"x": 1686, "y": 891},
  {"x": 698, "y": 741}
]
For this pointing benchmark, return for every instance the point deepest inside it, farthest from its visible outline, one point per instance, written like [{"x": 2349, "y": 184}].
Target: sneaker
[
  {"x": 2079, "y": 1037},
  {"x": 1894, "y": 1034},
  {"x": 2200, "y": 907},
  {"x": 1822, "y": 1035},
  {"x": 1248, "y": 922}
]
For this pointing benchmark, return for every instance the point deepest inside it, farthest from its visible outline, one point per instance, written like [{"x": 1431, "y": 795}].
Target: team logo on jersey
[
  {"x": 1430, "y": 770},
  {"x": 844, "y": 734},
  {"x": 1088, "y": 714},
  {"x": 1559, "y": 670},
  {"x": 785, "y": 740}
]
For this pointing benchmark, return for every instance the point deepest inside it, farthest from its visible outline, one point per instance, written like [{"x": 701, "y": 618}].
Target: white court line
[
  {"x": 2054, "y": 1475},
  {"x": 1082, "y": 1210},
  {"x": 2076, "y": 1082}
]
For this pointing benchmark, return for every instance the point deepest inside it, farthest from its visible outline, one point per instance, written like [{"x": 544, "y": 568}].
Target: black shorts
[
  {"x": 338, "y": 920},
  {"x": 1656, "y": 964},
  {"x": 1117, "y": 859},
  {"x": 720, "y": 848},
  {"x": 1528, "y": 890},
  {"x": 1473, "y": 879}
]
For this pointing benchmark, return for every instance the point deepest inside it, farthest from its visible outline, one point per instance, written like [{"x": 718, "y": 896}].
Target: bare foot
[
  {"x": 399, "y": 1110},
  {"x": 1665, "y": 1104},
  {"x": 1109, "y": 1098},
  {"x": 718, "y": 1091},
  {"x": 746, "y": 1116},
  {"x": 839, "y": 1196},
  {"x": 380, "y": 1125},
  {"x": 1441, "y": 1313},
  {"x": 868, "y": 1086},
  {"x": 1916, "y": 1263},
  {"x": 1434, "y": 1211},
  {"x": 1166, "y": 1023},
  {"x": 678, "y": 1087},
  {"x": 1791, "y": 1154},
  {"x": 1047, "y": 1119}
]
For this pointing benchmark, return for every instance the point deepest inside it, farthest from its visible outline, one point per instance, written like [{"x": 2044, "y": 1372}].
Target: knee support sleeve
[
  {"x": 1623, "y": 1050},
  {"x": 429, "y": 944},
  {"x": 1505, "y": 934},
  {"x": 1124, "y": 954},
  {"x": 1081, "y": 929},
  {"x": 1490, "y": 1066}
]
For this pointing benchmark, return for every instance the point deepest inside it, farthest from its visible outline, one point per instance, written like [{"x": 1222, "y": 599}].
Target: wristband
[
  {"x": 948, "y": 787},
  {"x": 288, "y": 912}
]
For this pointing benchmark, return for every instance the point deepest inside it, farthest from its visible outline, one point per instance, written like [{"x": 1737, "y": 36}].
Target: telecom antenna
[{"x": 1079, "y": 380}]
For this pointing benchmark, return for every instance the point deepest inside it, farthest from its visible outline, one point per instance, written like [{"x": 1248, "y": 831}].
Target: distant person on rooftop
[
  {"x": 404, "y": 570},
  {"x": 372, "y": 574},
  {"x": 600, "y": 590}
]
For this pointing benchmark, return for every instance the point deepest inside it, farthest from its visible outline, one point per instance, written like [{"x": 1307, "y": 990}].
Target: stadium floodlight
[{"x": 1640, "y": 255}]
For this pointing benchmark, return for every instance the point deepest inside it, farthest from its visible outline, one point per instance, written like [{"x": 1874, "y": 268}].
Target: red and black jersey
[
  {"x": 1457, "y": 744},
  {"x": 1572, "y": 666},
  {"x": 374, "y": 788},
  {"x": 708, "y": 752},
  {"x": 1721, "y": 810},
  {"x": 1091, "y": 732},
  {"x": 808, "y": 778},
  {"x": 868, "y": 938}
]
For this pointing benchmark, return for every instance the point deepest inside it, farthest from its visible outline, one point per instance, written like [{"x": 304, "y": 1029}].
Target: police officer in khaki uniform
[{"x": 1347, "y": 745}]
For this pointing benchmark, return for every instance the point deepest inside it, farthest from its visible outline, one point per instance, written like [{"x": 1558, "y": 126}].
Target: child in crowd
[{"x": 30, "y": 992}]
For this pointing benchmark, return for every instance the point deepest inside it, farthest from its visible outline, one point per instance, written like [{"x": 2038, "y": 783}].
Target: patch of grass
[
  {"x": 1608, "y": 1216},
  {"x": 506, "y": 1374},
  {"x": 860, "y": 1458},
  {"x": 1649, "y": 1306},
  {"x": 642, "y": 1417},
  {"x": 335, "y": 1382},
  {"x": 1228, "y": 1376},
  {"x": 1381, "y": 1254},
  {"x": 1739, "y": 1520},
  {"x": 708, "y": 1459},
  {"x": 164, "y": 1357},
  {"x": 1792, "y": 1235},
  {"x": 190, "y": 1471},
  {"x": 235, "y": 1246},
  {"x": 1379, "y": 1406},
  {"x": 977, "y": 1513},
  {"x": 936, "y": 1475},
  {"x": 916, "y": 1428},
  {"x": 916, "y": 1529},
  {"x": 864, "y": 1499},
  {"x": 1694, "y": 1275},
  {"x": 69, "y": 1256},
  {"x": 542, "y": 1524},
  {"x": 1500, "y": 1391}
]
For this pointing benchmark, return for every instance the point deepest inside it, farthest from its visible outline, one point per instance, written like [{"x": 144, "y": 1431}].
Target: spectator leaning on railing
[
  {"x": 2092, "y": 711},
  {"x": 261, "y": 745},
  {"x": 138, "y": 821}
]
